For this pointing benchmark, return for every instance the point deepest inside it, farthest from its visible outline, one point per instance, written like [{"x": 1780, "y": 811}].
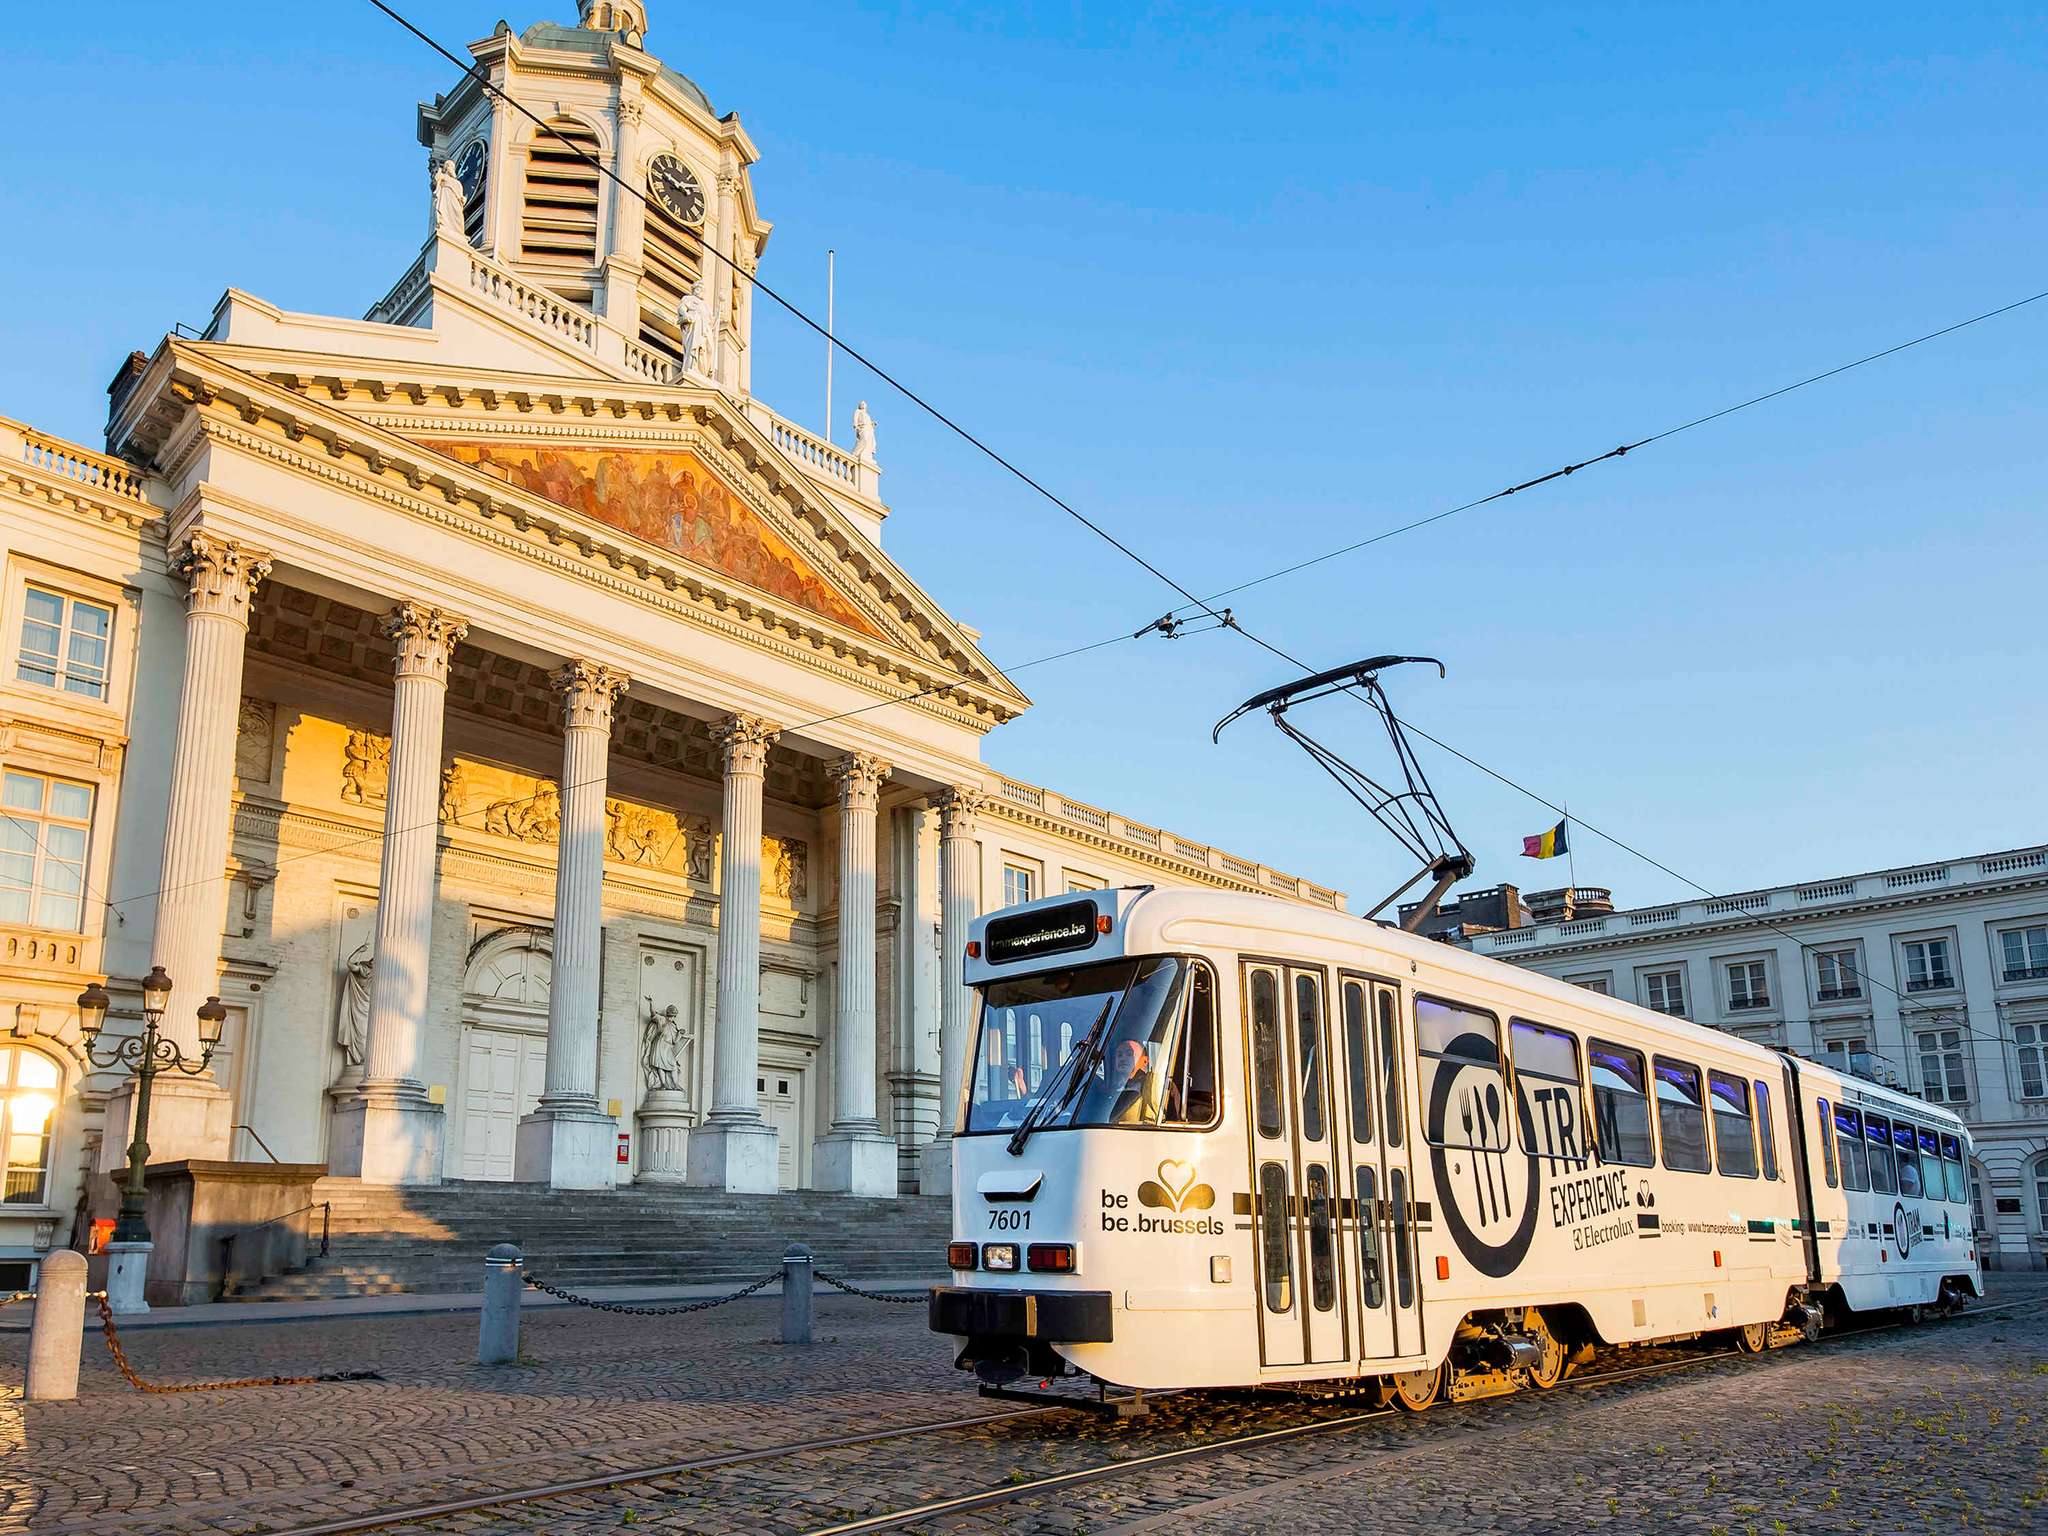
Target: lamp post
[{"x": 144, "y": 1056}]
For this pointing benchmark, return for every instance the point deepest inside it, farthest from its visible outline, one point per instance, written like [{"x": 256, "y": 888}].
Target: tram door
[
  {"x": 1376, "y": 1181},
  {"x": 1295, "y": 1167}
]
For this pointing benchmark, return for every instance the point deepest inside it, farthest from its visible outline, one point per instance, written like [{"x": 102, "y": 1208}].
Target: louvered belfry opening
[
  {"x": 560, "y": 222},
  {"x": 674, "y": 254}
]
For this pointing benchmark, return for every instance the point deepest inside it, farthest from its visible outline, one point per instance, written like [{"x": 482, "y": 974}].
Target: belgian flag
[{"x": 1546, "y": 845}]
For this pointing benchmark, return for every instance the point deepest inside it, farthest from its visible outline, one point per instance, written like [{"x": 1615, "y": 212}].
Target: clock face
[
  {"x": 469, "y": 168},
  {"x": 670, "y": 184}
]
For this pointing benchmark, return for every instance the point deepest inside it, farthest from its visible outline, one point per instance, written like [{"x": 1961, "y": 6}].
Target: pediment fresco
[{"x": 671, "y": 500}]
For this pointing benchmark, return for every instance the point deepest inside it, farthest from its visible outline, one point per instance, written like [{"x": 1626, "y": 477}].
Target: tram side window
[
  {"x": 1877, "y": 1141},
  {"x": 1827, "y": 1146},
  {"x": 1464, "y": 1043},
  {"x": 1275, "y": 1264},
  {"x": 1308, "y": 1023},
  {"x": 1954, "y": 1178},
  {"x": 1855, "y": 1166},
  {"x": 1621, "y": 1107},
  {"x": 1547, "y": 1089},
  {"x": 1358, "y": 1059},
  {"x": 1734, "y": 1130},
  {"x": 1906, "y": 1146},
  {"x": 1265, "y": 999},
  {"x": 1932, "y": 1181},
  {"x": 1190, "y": 1095},
  {"x": 1391, "y": 1116},
  {"x": 1681, "y": 1117},
  {"x": 1766, "y": 1131}
]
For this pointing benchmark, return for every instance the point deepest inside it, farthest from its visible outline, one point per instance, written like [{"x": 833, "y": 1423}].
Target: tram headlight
[
  {"x": 960, "y": 1255},
  {"x": 999, "y": 1257},
  {"x": 1050, "y": 1258}
]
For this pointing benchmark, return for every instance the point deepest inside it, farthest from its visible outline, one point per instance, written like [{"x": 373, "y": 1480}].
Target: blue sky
[{"x": 1248, "y": 282}]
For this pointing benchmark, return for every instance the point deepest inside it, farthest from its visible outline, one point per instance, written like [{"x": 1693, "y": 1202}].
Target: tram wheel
[
  {"x": 1753, "y": 1338},
  {"x": 1550, "y": 1370},
  {"x": 1416, "y": 1390}
]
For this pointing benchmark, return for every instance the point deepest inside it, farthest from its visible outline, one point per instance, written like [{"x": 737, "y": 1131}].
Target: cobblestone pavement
[{"x": 1940, "y": 1426}]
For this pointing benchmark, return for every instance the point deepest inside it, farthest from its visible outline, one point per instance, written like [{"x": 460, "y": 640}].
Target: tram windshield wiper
[{"x": 1076, "y": 1068}]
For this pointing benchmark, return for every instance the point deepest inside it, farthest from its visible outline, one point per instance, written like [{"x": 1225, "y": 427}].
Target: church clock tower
[{"x": 533, "y": 202}]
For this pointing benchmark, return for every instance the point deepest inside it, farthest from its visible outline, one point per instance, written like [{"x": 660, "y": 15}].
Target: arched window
[
  {"x": 2037, "y": 1179},
  {"x": 30, "y": 1084}
]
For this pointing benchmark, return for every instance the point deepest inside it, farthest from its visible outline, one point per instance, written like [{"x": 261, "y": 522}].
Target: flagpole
[
  {"x": 1571, "y": 859},
  {"x": 831, "y": 269}
]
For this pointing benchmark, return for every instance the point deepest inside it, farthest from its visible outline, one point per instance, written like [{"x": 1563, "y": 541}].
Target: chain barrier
[
  {"x": 8, "y": 1301},
  {"x": 851, "y": 1289},
  {"x": 618, "y": 1306},
  {"x": 121, "y": 1361}
]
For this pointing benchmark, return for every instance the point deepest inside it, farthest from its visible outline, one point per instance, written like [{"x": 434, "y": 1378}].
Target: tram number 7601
[{"x": 1009, "y": 1221}]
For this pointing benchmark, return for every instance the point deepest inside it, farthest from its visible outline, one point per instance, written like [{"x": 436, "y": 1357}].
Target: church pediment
[{"x": 669, "y": 498}]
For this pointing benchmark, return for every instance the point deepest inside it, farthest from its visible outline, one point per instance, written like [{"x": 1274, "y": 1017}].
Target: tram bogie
[{"x": 1211, "y": 1140}]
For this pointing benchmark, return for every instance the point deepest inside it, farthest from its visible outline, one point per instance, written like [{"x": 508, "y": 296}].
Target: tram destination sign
[{"x": 1048, "y": 931}]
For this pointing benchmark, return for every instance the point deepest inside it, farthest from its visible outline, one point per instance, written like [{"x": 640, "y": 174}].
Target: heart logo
[{"x": 1176, "y": 1176}]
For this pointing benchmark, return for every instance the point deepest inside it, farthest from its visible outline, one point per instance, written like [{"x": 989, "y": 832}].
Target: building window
[
  {"x": 1839, "y": 976},
  {"x": 64, "y": 643},
  {"x": 1665, "y": 991},
  {"x": 1941, "y": 1066},
  {"x": 1019, "y": 884},
  {"x": 2041, "y": 1194},
  {"x": 44, "y": 825},
  {"x": 1599, "y": 984},
  {"x": 1839, "y": 1053},
  {"x": 1927, "y": 965},
  {"x": 2031, "y": 1046},
  {"x": 2026, "y": 952},
  {"x": 1747, "y": 987},
  {"x": 1078, "y": 883},
  {"x": 29, "y": 1083}
]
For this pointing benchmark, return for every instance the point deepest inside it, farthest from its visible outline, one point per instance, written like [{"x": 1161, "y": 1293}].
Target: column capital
[
  {"x": 222, "y": 574},
  {"x": 423, "y": 639},
  {"x": 743, "y": 742},
  {"x": 859, "y": 776},
  {"x": 957, "y": 808},
  {"x": 589, "y": 689}
]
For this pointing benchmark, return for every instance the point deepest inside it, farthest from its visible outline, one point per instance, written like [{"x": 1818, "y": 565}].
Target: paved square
[{"x": 1939, "y": 1427}]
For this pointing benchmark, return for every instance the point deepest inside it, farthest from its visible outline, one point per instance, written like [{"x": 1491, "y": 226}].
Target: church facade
[{"x": 514, "y": 722}]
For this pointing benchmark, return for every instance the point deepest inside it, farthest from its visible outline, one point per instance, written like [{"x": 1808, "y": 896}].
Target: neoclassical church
[{"x": 512, "y": 719}]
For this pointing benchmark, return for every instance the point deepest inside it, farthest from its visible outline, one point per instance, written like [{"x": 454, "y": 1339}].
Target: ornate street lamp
[{"x": 144, "y": 1056}]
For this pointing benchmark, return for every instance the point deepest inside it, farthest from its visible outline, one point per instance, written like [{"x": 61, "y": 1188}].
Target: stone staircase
[{"x": 383, "y": 1241}]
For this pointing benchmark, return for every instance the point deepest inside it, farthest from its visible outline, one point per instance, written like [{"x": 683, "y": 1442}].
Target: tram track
[{"x": 1012, "y": 1492}]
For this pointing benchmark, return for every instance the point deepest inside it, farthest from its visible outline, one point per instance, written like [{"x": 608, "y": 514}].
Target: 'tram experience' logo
[{"x": 1177, "y": 1190}]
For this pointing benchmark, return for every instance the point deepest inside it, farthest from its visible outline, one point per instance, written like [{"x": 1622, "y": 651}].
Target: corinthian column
[
  {"x": 193, "y": 1116},
  {"x": 390, "y": 1133},
  {"x": 959, "y": 900},
  {"x": 567, "y": 1140},
  {"x": 855, "y": 1156},
  {"x": 732, "y": 1149}
]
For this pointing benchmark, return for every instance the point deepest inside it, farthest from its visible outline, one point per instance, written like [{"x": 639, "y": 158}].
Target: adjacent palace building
[
  {"x": 509, "y": 717},
  {"x": 1932, "y": 977}
]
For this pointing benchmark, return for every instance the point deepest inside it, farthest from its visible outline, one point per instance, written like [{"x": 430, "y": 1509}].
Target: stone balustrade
[
  {"x": 1137, "y": 840},
  {"x": 23, "y": 444}
]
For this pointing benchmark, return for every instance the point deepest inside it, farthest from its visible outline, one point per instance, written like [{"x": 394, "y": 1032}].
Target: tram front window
[{"x": 1153, "y": 1061}]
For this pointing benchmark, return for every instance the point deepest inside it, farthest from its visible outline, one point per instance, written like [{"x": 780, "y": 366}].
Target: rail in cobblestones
[{"x": 1110, "y": 1468}]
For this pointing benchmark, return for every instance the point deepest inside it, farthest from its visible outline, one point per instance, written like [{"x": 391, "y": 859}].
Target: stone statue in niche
[
  {"x": 352, "y": 1019},
  {"x": 783, "y": 861},
  {"x": 637, "y": 834},
  {"x": 863, "y": 434},
  {"x": 696, "y": 322},
  {"x": 255, "y": 736},
  {"x": 365, "y": 768},
  {"x": 702, "y": 848},
  {"x": 665, "y": 1045},
  {"x": 534, "y": 818}
]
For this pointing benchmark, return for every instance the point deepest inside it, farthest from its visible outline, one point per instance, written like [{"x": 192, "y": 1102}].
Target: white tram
[{"x": 1211, "y": 1140}]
